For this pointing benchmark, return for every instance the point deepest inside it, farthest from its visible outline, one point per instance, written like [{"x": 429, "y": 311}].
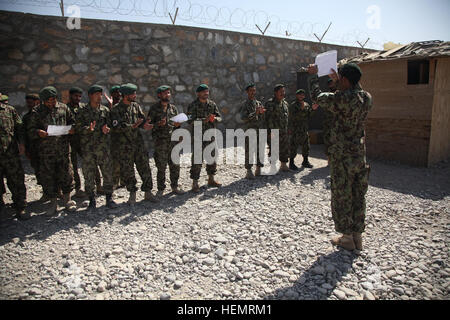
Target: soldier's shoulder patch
[{"x": 115, "y": 123}]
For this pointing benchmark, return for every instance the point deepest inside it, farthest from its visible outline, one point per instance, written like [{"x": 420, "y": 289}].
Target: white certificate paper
[
  {"x": 182, "y": 117},
  {"x": 325, "y": 62},
  {"x": 54, "y": 131}
]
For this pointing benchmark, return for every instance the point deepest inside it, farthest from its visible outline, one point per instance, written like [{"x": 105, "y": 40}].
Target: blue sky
[{"x": 400, "y": 21}]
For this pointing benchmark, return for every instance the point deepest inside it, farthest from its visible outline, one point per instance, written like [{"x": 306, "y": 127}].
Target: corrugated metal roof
[{"x": 425, "y": 49}]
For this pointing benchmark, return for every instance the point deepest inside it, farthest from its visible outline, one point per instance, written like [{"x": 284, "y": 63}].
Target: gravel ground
[{"x": 263, "y": 239}]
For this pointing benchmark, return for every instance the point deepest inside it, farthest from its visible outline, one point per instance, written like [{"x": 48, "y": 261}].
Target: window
[{"x": 418, "y": 71}]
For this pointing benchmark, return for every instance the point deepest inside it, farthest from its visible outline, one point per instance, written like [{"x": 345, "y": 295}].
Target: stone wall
[{"x": 40, "y": 50}]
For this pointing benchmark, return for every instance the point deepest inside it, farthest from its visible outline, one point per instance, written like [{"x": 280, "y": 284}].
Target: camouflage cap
[
  {"x": 128, "y": 88},
  {"x": 250, "y": 85},
  {"x": 95, "y": 88},
  {"x": 3, "y": 98},
  {"x": 114, "y": 89},
  {"x": 202, "y": 87},
  {"x": 351, "y": 71},
  {"x": 278, "y": 87},
  {"x": 33, "y": 96},
  {"x": 162, "y": 89},
  {"x": 75, "y": 90},
  {"x": 300, "y": 91},
  {"x": 47, "y": 93}
]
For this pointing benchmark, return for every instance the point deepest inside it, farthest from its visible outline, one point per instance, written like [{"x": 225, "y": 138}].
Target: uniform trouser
[
  {"x": 283, "y": 145},
  {"x": 56, "y": 173},
  {"x": 34, "y": 162},
  {"x": 115, "y": 168},
  {"x": 259, "y": 160},
  {"x": 92, "y": 160},
  {"x": 211, "y": 169},
  {"x": 130, "y": 156},
  {"x": 349, "y": 184},
  {"x": 162, "y": 155},
  {"x": 327, "y": 123},
  {"x": 74, "y": 154},
  {"x": 298, "y": 139},
  {"x": 11, "y": 169}
]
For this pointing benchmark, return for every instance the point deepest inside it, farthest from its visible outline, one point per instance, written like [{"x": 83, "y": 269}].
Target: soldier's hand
[
  {"x": 334, "y": 76},
  {"x": 177, "y": 124},
  {"x": 42, "y": 133},
  {"x": 312, "y": 69},
  {"x": 315, "y": 106},
  {"x": 21, "y": 149},
  {"x": 109, "y": 99},
  {"x": 72, "y": 131},
  {"x": 92, "y": 125},
  {"x": 147, "y": 125},
  {"x": 137, "y": 123},
  {"x": 106, "y": 129},
  {"x": 212, "y": 117},
  {"x": 162, "y": 122}
]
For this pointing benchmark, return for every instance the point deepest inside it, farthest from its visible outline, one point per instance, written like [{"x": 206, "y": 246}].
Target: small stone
[
  {"x": 209, "y": 261},
  {"x": 221, "y": 253},
  {"x": 318, "y": 270},
  {"x": 368, "y": 296},
  {"x": 327, "y": 286},
  {"x": 220, "y": 239},
  {"x": 281, "y": 274},
  {"x": 164, "y": 296},
  {"x": 367, "y": 285},
  {"x": 101, "y": 286},
  {"x": 340, "y": 294},
  {"x": 391, "y": 273},
  {"x": 206, "y": 248},
  {"x": 178, "y": 284},
  {"x": 398, "y": 291}
]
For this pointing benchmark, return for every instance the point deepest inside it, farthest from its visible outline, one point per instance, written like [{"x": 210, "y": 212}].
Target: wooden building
[{"x": 410, "y": 118}]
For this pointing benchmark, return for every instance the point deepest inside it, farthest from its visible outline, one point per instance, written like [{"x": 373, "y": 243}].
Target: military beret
[
  {"x": 3, "y": 97},
  {"x": 202, "y": 87},
  {"x": 47, "y": 93},
  {"x": 128, "y": 88},
  {"x": 329, "y": 80},
  {"x": 250, "y": 85},
  {"x": 75, "y": 90},
  {"x": 95, "y": 88},
  {"x": 351, "y": 71},
  {"x": 163, "y": 88},
  {"x": 300, "y": 91},
  {"x": 278, "y": 87},
  {"x": 33, "y": 96},
  {"x": 114, "y": 88}
]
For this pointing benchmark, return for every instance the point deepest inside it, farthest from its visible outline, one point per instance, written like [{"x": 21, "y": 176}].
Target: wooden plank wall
[
  {"x": 440, "y": 122},
  {"x": 398, "y": 126}
]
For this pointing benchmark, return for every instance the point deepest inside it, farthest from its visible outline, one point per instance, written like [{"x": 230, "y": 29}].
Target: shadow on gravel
[{"x": 327, "y": 270}]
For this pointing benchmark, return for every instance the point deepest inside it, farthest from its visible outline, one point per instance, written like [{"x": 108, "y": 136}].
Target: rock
[
  {"x": 164, "y": 296},
  {"x": 281, "y": 274},
  {"x": 330, "y": 268},
  {"x": 391, "y": 273},
  {"x": 398, "y": 290},
  {"x": 206, "y": 248},
  {"x": 209, "y": 261},
  {"x": 349, "y": 292},
  {"x": 177, "y": 284},
  {"x": 367, "y": 285},
  {"x": 101, "y": 286},
  {"x": 327, "y": 286},
  {"x": 80, "y": 67},
  {"x": 318, "y": 270},
  {"x": 368, "y": 295},
  {"x": 340, "y": 294},
  {"x": 220, "y": 239},
  {"x": 221, "y": 253}
]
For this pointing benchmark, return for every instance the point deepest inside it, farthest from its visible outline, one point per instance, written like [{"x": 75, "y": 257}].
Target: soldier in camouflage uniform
[
  {"x": 115, "y": 99},
  {"x": 127, "y": 118},
  {"x": 252, "y": 113},
  {"x": 11, "y": 145},
  {"x": 205, "y": 110},
  {"x": 277, "y": 117},
  {"x": 160, "y": 114},
  {"x": 31, "y": 142},
  {"x": 93, "y": 124},
  {"x": 350, "y": 106},
  {"x": 54, "y": 151},
  {"x": 299, "y": 114},
  {"x": 328, "y": 120}
]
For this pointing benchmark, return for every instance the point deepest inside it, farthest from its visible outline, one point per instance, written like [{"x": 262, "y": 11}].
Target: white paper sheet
[
  {"x": 325, "y": 62},
  {"x": 58, "y": 130},
  {"x": 182, "y": 117}
]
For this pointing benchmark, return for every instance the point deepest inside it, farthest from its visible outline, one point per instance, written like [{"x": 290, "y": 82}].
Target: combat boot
[
  {"x": 306, "y": 163},
  {"x": 69, "y": 203},
  {"x": 53, "y": 210},
  {"x": 357, "y": 239},
  {"x": 44, "y": 198},
  {"x": 292, "y": 165},
  {"x": 100, "y": 189},
  {"x": 110, "y": 203},
  {"x": 195, "y": 187},
  {"x": 132, "y": 198},
  {"x": 345, "y": 241},
  {"x": 212, "y": 182},
  {"x": 150, "y": 197},
  {"x": 249, "y": 175},
  {"x": 258, "y": 171},
  {"x": 92, "y": 203},
  {"x": 284, "y": 167},
  {"x": 79, "y": 193},
  {"x": 177, "y": 191},
  {"x": 160, "y": 193},
  {"x": 22, "y": 215},
  {"x": 2, "y": 205}
]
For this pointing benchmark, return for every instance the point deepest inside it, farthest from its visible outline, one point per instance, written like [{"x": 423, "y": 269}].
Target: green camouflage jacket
[
  {"x": 122, "y": 119},
  {"x": 156, "y": 114},
  {"x": 249, "y": 116},
  {"x": 298, "y": 117},
  {"x": 277, "y": 114},
  {"x": 199, "y": 111},
  {"x": 11, "y": 127},
  {"x": 92, "y": 140}
]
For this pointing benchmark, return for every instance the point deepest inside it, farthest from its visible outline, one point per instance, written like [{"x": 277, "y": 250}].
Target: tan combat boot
[
  {"x": 249, "y": 175},
  {"x": 212, "y": 182},
  {"x": 258, "y": 171},
  {"x": 150, "y": 197},
  {"x": 284, "y": 167},
  {"x": 345, "y": 241},
  {"x": 69, "y": 203},
  {"x": 53, "y": 210},
  {"x": 178, "y": 191},
  {"x": 132, "y": 198},
  {"x": 195, "y": 187},
  {"x": 357, "y": 239}
]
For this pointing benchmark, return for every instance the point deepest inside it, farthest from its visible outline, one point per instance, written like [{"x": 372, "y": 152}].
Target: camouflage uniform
[
  {"x": 75, "y": 145},
  {"x": 11, "y": 133},
  {"x": 327, "y": 123},
  {"x": 163, "y": 144},
  {"x": 129, "y": 144},
  {"x": 252, "y": 121},
  {"x": 349, "y": 170},
  {"x": 200, "y": 111},
  {"x": 277, "y": 117},
  {"x": 54, "y": 152},
  {"x": 298, "y": 127},
  {"x": 95, "y": 147},
  {"x": 31, "y": 146}
]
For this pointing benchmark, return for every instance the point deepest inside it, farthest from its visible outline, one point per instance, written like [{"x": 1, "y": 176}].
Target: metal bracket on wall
[
  {"x": 363, "y": 45},
  {"x": 263, "y": 32},
  {"x": 175, "y": 18},
  {"x": 320, "y": 39},
  {"x": 61, "y": 6}
]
